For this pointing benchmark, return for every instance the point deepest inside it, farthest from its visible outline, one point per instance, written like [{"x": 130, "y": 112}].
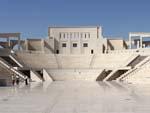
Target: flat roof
[
  {"x": 114, "y": 38},
  {"x": 139, "y": 32},
  {"x": 73, "y": 26},
  {"x": 8, "y": 35}
]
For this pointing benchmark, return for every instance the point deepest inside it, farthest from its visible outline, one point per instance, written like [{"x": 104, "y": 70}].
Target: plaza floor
[{"x": 76, "y": 97}]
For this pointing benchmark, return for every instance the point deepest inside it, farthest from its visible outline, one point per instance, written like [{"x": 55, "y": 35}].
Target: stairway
[
  {"x": 16, "y": 60},
  {"x": 11, "y": 68},
  {"x": 118, "y": 72},
  {"x": 133, "y": 71}
]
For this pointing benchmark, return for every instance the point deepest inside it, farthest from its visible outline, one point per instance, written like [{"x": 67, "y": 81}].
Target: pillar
[
  {"x": 42, "y": 45},
  {"x": 138, "y": 44},
  {"x": 106, "y": 43},
  {"x": 80, "y": 46},
  {"x": 130, "y": 42},
  {"x": 141, "y": 41},
  {"x": 144, "y": 46},
  {"x": 8, "y": 41},
  {"x": 26, "y": 45},
  {"x": 19, "y": 42}
]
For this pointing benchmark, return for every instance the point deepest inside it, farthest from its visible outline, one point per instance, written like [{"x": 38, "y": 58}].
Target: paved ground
[{"x": 75, "y": 97}]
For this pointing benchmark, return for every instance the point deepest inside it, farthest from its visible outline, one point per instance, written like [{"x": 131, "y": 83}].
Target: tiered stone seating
[
  {"x": 74, "y": 61},
  {"x": 38, "y": 61},
  {"x": 109, "y": 60},
  {"x": 51, "y": 61}
]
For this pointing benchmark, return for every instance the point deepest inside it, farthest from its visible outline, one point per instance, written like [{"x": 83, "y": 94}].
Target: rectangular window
[
  {"x": 64, "y": 45},
  {"x": 78, "y": 35},
  {"x": 89, "y": 35},
  {"x": 85, "y": 44},
  {"x": 74, "y": 45},
  {"x": 67, "y": 35},
  {"x": 64, "y": 35},
  {"x": 75, "y": 35},
  {"x": 81, "y": 35},
  {"x": 59, "y": 35}
]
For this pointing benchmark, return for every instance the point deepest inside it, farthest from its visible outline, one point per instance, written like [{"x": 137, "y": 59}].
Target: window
[
  {"x": 78, "y": 34},
  {"x": 64, "y": 45},
  {"x": 85, "y": 44},
  {"x": 74, "y": 45},
  {"x": 67, "y": 35},
  {"x": 85, "y": 35},
  {"x": 75, "y": 35},
  {"x": 64, "y": 35},
  {"x": 70, "y": 35},
  {"x": 59, "y": 35},
  {"x": 81, "y": 35},
  {"x": 89, "y": 35}
]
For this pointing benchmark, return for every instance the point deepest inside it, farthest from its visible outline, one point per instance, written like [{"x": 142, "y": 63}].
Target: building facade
[{"x": 76, "y": 40}]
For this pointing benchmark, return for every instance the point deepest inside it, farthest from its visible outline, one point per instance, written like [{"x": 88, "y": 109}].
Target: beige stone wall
[
  {"x": 35, "y": 44},
  {"x": 49, "y": 46},
  {"x": 39, "y": 45},
  {"x": 116, "y": 44}
]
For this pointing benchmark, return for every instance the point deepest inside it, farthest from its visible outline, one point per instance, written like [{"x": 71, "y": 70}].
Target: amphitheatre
[
  {"x": 75, "y": 53},
  {"x": 75, "y": 69}
]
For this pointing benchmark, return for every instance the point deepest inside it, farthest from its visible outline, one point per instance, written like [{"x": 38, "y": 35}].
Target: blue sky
[{"x": 32, "y": 17}]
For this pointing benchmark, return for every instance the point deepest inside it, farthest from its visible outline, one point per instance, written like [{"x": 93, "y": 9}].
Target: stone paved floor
[{"x": 75, "y": 97}]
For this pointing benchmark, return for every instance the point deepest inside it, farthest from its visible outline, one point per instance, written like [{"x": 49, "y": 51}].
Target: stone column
[
  {"x": 143, "y": 45},
  {"x": 42, "y": 45},
  {"x": 70, "y": 43},
  {"x": 8, "y": 41},
  {"x": 80, "y": 45},
  {"x": 138, "y": 44},
  {"x": 26, "y": 44},
  {"x": 19, "y": 42},
  {"x": 106, "y": 42},
  {"x": 141, "y": 41},
  {"x": 130, "y": 42}
]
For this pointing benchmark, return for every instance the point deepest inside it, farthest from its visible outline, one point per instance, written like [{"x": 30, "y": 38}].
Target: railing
[
  {"x": 9, "y": 67},
  {"x": 139, "y": 66},
  {"x": 140, "y": 50},
  {"x": 15, "y": 60},
  {"x": 32, "y": 52},
  {"x": 129, "y": 60}
]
